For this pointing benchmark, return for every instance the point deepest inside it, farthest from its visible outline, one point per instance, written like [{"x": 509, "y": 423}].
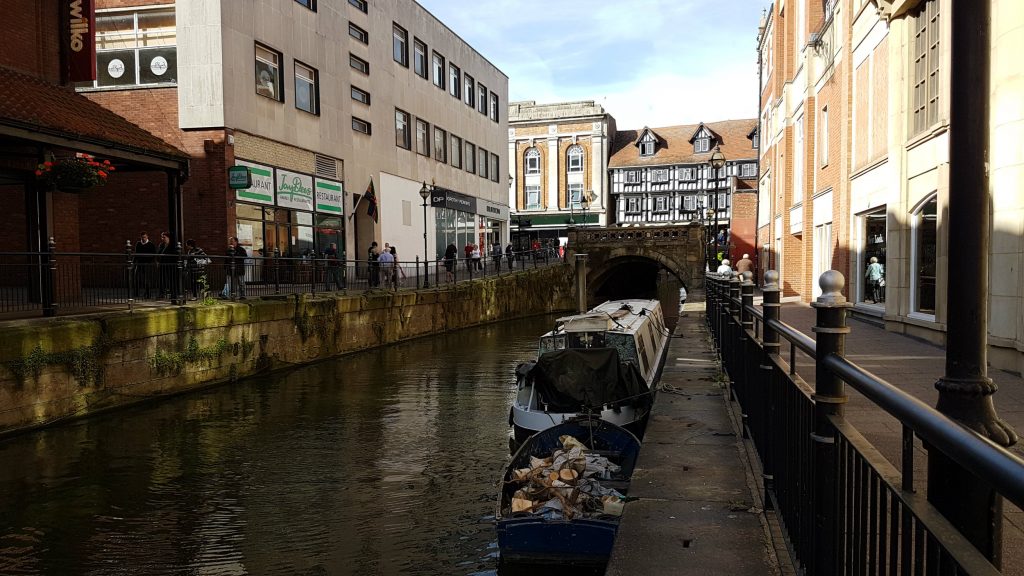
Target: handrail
[
  {"x": 984, "y": 458},
  {"x": 755, "y": 312},
  {"x": 796, "y": 337}
]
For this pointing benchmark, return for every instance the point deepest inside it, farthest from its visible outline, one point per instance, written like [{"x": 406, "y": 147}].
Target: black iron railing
[
  {"x": 52, "y": 282},
  {"x": 844, "y": 508}
]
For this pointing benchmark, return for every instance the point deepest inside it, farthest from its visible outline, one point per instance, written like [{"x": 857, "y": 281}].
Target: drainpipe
[{"x": 965, "y": 392}]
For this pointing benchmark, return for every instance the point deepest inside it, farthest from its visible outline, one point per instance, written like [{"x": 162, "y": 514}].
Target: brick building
[
  {"x": 318, "y": 100},
  {"x": 855, "y": 159},
  {"x": 663, "y": 176},
  {"x": 560, "y": 156},
  {"x": 42, "y": 119}
]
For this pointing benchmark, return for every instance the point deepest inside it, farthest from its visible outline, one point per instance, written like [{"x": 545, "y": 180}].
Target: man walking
[
  {"x": 235, "y": 283},
  {"x": 333, "y": 268},
  {"x": 144, "y": 263},
  {"x": 745, "y": 264}
]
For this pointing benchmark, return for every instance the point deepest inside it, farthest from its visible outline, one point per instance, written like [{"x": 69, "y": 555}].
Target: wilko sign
[{"x": 81, "y": 39}]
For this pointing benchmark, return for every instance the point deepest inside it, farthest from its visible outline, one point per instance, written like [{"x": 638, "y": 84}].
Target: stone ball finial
[
  {"x": 747, "y": 276},
  {"x": 832, "y": 283},
  {"x": 771, "y": 278}
]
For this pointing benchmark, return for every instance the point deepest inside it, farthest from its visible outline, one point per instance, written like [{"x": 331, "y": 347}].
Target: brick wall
[{"x": 31, "y": 39}]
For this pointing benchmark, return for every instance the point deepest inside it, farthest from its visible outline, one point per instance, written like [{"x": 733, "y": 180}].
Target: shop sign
[
  {"x": 491, "y": 210},
  {"x": 294, "y": 190},
  {"x": 80, "y": 39},
  {"x": 239, "y": 177},
  {"x": 262, "y": 189},
  {"x": 329, "y": 196},
  {"x": 444, "y": 198}
]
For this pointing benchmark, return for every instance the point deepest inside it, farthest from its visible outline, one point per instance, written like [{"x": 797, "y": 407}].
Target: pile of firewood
[{"x": 567, "y": 484}]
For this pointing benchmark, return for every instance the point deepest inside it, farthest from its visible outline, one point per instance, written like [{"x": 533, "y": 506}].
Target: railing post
[
  {"x": 312, "y": 258},
  {"x": 277, "y": 270},
  {"x": 829, "y": 398},
  {"x": 732, "y": 332},
  {"x": 723, "y": 313},
  {"x": 745, "y": 357},
  {"x": 49, "y": 279},
  {"x": 233, "y": 280},
  {"x": 178, "y": 289},
  {"x": 770, "y": 343},
  {"x": 130, "y": 268}
]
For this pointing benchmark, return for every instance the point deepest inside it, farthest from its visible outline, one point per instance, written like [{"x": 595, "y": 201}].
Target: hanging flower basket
[{"x": 76, "y": 174}]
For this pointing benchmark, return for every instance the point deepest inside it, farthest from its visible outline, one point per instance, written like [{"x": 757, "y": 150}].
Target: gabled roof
[
  {"x": 676, "y": 147},
  {"x": 643, "y": 134},
  {"x": 34, "y": 105},
  {"x": 697, "y": 130}
]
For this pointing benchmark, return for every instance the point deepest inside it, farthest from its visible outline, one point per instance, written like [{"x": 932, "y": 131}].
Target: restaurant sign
[
  {"x": 262, "y": 189},
  {"x": 294, "y": 190},
  {"x": 329, "y": 196}
]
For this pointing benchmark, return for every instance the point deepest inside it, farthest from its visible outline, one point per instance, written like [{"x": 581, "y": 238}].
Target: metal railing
[
  {"x": 52, "y": 282},
  {"x": 844, "y": 508}
]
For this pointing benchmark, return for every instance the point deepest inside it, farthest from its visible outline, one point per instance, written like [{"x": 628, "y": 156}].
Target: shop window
[
  {"x": 135, "y": 49},
  {"x": 873, "y": 247},
  {"x": 924, "y": 257}
]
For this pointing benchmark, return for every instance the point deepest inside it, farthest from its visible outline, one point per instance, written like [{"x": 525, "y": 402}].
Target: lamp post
[
  {"x": 585, "y": 203},
  {"x": 424, "y": 194},
  {"x": 709, "y": 214},
  {"x": 717, "y": 162}
]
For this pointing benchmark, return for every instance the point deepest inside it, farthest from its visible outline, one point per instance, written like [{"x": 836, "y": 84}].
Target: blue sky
[{"x": 648, "y": 62}]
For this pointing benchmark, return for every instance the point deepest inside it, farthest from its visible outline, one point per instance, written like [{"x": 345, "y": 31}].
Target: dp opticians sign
[
  {"x": 80, "y": 38},
  {"x": 294, "y": 190}
]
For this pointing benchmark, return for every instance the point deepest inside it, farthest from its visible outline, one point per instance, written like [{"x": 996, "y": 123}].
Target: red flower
[
  {"x": 102, "y": 174},
  {"x": 48, "y": 164},
  {"x": 39, "y": 172}
]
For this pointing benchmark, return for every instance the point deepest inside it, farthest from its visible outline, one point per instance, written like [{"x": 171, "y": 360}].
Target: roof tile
[{"x": 674, "y": 146}]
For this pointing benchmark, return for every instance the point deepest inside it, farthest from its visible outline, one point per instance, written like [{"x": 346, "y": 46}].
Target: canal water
[{"x": 383, "y": 462}]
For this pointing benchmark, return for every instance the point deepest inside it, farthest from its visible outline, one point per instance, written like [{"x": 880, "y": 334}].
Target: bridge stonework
[{"x": 678, "y": 249}]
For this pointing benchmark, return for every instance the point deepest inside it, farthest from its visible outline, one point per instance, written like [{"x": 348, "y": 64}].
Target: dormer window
[
  {"x": 702, "y": 145},
  {"x": 647, "y": 148},
  {"x": 647, "y": 144}
]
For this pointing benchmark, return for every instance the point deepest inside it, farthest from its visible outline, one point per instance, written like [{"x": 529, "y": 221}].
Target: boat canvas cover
[{"x": 568, "y": 380}]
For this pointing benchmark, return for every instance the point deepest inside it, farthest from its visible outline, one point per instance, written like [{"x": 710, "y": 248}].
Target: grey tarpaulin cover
[{"x": 568, "y": 380}]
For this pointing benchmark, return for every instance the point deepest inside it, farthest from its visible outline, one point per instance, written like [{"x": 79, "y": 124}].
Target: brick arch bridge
[{"x": 678, "y": 249}]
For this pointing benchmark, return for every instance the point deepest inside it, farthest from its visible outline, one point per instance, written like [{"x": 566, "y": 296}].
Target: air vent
[{"x": 326, "y": 167}]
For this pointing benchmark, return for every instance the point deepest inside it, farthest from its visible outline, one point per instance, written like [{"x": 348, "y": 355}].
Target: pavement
[{"x": 699, "y": 510}]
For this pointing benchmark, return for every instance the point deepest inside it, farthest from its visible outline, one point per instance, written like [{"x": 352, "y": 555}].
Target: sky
[{"x": 648, "y": 62}]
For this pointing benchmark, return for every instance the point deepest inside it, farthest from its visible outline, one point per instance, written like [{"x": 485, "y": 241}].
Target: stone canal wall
[{"x": 55, "y": 369}]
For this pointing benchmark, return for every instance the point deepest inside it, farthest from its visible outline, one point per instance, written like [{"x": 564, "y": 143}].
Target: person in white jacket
[{"x": 725, "y": 268}]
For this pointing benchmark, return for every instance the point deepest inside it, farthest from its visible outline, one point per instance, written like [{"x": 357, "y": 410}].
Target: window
[
  {"x": 481, "y": 98},
  {"x": 702, "y": 145},
  {"x": 926, "y": 57},
  {"x": 419, "y": 58},
  {"x": 470, "y": 158},
  {"x": 422, "y": 137},
  {"x": 798, "y": 161},
  {"x": 749, "y": 170},
  {"x": 872, "y": 226},
  {"x": 923, "y": 257},
  {"x": 360, "y": 95},
  {"x": 576, "y": 195},
  {"x": 688, "y": 174},
  {"x": 469, "y": 90},
  {"x": 456, "y": 149},
  {"x": 494, "y": 107},
  {"x": 400, "y": 45},
  {"x": 358, "y": 64},
  {"x": 690, "y": 202},
  {"x": 532, "y": 161},
  {"x": 358, "y": 33},
  {"x": 360, "y": 125},
  {"x": 311, "y": 4},
  {"x": 823, "y": 149},
  {"x": 268, "y": 73},
  {"x": 632, "y": 205},
  {"x": 575, "y": 157},
  {"x": 454, "y": 81},
  {"x": 647, "y": 148},
  {"x": 438, "y": 61},
  {"x": 360, "y": 4},
  {"x": 659, "y": 175},
  {"x": 533, "y": 197},
  {"x": 307, "y": 95},
  {"x": 402, "y": 137},
  {"x": 632, "y": 177},
  {"x": 661, "y": 203},
  {"x": 135, "y": 48},
  {"x": 440, "y": 145},
  {"x": 494, "y": 167},
  {"x": 481, "y": 163}
]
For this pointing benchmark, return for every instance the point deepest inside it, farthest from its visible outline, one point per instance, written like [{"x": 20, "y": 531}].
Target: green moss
[
  {"x": 85, "y": 364},
  {"x": 173, "y": 362}
]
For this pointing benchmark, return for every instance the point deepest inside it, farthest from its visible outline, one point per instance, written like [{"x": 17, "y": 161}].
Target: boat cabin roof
[{"x": 624, "y": 316}]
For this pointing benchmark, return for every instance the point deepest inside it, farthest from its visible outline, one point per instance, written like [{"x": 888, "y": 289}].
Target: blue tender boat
[{"x": 545, "y": 537}]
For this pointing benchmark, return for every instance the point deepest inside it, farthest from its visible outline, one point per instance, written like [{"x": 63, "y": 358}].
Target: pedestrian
[
  {"x": 386, "y": 265},
  {"x": 399, "y": 274},
  {"x": 476, "y": 258},
  {"x": 144, "y": 264},
  {"x": 373, "y": 269},
  {"x": 450, "y": 255},
  {"x": 875, "y": 277},
  {"x": 496, "y": 255},
  {"x": 469, "y": 256},
  {"x": 334, "y": 272},
  {"x": 745, "y": 264},
  {"x": 195, "y": 268},
  {"x": 682, "y": 298},
  {"x": 724, "y": 268},
  {"x": 167, "y": 266},
  {"x": 509, "y": 256},
  {"x": 234, "y": 282}
]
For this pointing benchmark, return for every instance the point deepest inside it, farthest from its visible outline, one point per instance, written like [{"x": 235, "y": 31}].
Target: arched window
[
  {"x": 575, "y": 156},
  {"x": 532, "y": 161},
  {"x": 923, "y": 257}
]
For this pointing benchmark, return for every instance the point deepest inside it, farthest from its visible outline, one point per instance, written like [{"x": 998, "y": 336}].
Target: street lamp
[
  {"x": 424, "y": 194},
  {"x": 717, "y": 162},
  {"x": 585, "y": 202}
]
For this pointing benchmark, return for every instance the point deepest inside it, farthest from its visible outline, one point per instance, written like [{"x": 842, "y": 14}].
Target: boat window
[
  {"x": 549, "y": 343},
  {"x": 586, "y": 340},
  {"x": 642, "y": 350}
]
